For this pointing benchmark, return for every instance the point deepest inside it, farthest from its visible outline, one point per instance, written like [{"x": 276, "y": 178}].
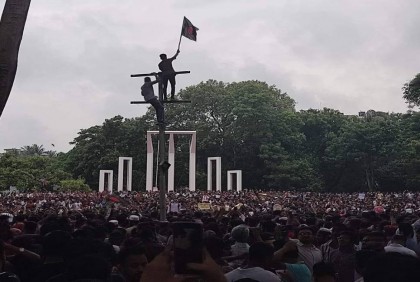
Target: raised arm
[
  {"x": 176, "y": 55},
  {"x": 156, "y": 81},
  {"x": 157, "y": 78}
]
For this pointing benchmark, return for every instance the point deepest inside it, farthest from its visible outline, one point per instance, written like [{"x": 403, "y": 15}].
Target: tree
[
  {"x": 72, "y": 185},
  {"x": 233, "y": 121},
  {"x": 318, "y": 126},
  {"x": 30, "y": 172},
  {"x": 254, "y": 127},
  {"x": 411, "y": 91},
  {"x": 408, "y": 163},
  {"x": 359, "y": 151},
  {"x": 99, "y": 147},
  {"x": 33, "y": 150}
]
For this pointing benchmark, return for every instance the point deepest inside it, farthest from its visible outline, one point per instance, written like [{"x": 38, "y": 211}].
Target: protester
[
  {"x": 397, "y": 246},
  {"x": 168, "y": 73},
  {"x": 46, "y": 236},
  {"x": 308, "y": 253},
  {"x": 260, "y": 258}
]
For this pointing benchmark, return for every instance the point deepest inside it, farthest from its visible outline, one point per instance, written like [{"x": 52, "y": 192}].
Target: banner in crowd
[{"x": 204, "y": 206}]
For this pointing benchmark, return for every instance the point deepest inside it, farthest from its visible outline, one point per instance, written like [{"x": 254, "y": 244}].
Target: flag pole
[
  {"x": 179, "y": 43},
  {"x": 180, "y": 37}
]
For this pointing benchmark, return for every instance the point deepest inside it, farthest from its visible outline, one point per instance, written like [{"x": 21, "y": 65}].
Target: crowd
[{"x": 248, "y": 236}]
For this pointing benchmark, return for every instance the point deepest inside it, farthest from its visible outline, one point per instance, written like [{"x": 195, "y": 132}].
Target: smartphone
[{"x": 188, "y": 245}]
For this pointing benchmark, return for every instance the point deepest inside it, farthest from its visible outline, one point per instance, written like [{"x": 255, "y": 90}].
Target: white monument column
[
  {"x": 171, "y": 160},
  {"x": 121, "y": 173},
  {"x": 149, "y": 161},
  {"x": 102, "y": 174},
  {"x": 193, "y": 146},
  {"x": 238, "y": 174},
  {"x": 218, "y": 161}
]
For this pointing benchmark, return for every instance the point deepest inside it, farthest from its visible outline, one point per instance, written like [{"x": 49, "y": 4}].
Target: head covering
[
  {"x": 326, "y": 230},
  {"x": 134, "y": 217},
  {"x": 114, "y": 221},
  {"x": 10, "y": 219},
  {"x": 240, "y": 233}
]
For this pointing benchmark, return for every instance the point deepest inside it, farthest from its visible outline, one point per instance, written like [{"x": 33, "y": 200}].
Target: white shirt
[
  {"x": 238, "y": 249},
  {"x": 256, "y": 273},
  {"x": 310, "y": 255},
  {"x": 397, "y": 248}
]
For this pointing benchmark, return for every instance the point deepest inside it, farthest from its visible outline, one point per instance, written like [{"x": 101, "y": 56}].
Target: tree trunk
[
  {"x": 12, "y": 25},
  {"x": 368, "y": 180}
]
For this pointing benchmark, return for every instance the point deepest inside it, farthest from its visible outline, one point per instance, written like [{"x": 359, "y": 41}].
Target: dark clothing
[
  {"x": 147, "y": 91},
  {"x": 165, "y": 65},
  {"x": 158, "y": 107},
  {"x": 171, "y": 79},
  {"x": 47, "y": 271},
  {"x": 149, "y": 96},
  {"x": 167, "y": 74}
]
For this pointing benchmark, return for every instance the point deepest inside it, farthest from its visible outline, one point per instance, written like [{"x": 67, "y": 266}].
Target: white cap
[
  {"x": 114, "y": 221},
  {"x": 134, "y": 217},
  {"x": 323, "y": 229}
]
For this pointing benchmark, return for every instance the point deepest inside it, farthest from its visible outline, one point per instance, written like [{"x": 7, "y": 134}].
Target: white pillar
[
  {"x": 192, "y": 162},
  {"x": 130, "y": 175},
  {"x": 238, "y": 174},
  {"x": 171, "y": 160},
  {"x": 121, "y": 173},
  {"x": 149, "y": 162},
  {"x": 102, "y": 174},
  {"x": 218, "y": 161}
]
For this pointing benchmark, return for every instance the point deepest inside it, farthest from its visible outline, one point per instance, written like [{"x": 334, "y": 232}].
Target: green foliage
[
  {"x": 411, "y": 91},
  {"x": 233, "y": 121},
  {"x": 35, "y": 150},
  {"x": 30, "y": 172},
  {"x": 358, "y": 155},
  {"x": 99, "y": 147},
  {"x": 253, "y": 127},
  {"x": 71, "y": 185}
]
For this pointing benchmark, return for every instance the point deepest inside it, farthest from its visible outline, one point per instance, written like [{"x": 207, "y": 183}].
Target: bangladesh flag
[{"x": 188, "y": 30}]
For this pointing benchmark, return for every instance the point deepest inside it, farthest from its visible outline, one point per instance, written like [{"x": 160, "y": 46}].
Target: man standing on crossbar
[
  {"x": 149, "y": 96},
  {"x": 168, "y": 74}
]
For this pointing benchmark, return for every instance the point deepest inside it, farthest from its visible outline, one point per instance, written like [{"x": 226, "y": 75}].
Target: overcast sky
[{"x": 76, "y": 56}]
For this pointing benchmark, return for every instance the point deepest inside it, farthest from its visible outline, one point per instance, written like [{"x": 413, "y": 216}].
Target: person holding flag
[
  {"x": 165, "y": 66},
  {"x": 167, "y": 74}
]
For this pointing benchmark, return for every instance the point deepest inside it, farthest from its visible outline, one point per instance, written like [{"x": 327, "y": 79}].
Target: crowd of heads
[{"x": 264, "y": 236}]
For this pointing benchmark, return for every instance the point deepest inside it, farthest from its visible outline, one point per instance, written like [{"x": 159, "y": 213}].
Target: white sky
[{"x": 76, "y": 56}]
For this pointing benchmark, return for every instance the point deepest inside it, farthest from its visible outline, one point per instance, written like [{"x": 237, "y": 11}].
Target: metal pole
[
  {"x": 162, "y": 173},
  {"x": 162, "y": 169},
  {"x": 163, "y": 164}
]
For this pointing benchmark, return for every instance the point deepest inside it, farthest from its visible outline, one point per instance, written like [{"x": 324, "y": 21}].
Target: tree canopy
[
  {"x": 253, "y": 127},
  {"x": 28, "y": 172},
  {"x": 411, "y": 91}
]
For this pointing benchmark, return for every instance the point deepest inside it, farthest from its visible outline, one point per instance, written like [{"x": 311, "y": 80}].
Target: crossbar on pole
[
  {"x": 165, "y": 102},
  {"x": 156, "y": 73}
]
